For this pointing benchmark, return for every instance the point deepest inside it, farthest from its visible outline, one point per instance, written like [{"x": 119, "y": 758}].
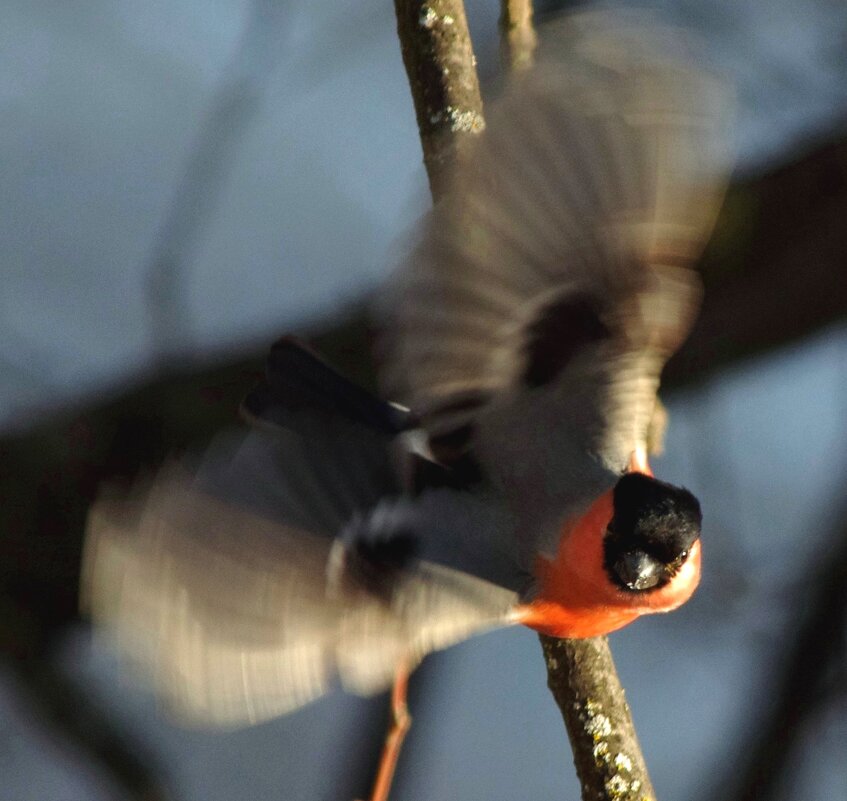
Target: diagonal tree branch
[
  {"x": 788, "y": 225},
  {"x": 774, "y": 269},
  {"x": 50, "y": 470}
]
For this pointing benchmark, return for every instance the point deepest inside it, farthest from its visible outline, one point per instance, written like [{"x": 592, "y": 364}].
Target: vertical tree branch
[
  {"x": 517, "y": 34},
  {"x": 441, "y": 66},
  {"x": 582, "y": 677},
  {"x": 439, "y": 61},
  {"x": 581, "y": 674}
]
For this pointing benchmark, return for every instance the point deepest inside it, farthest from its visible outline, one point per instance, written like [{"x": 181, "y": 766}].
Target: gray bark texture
[
  {"x": 441, "y": 66},
  {"x": 581, "y": 675}
]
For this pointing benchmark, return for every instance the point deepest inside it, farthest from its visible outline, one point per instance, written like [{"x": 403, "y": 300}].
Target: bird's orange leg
[{"x": 401, "y": 720}]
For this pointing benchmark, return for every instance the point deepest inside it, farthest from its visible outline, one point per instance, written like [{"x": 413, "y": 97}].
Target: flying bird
[{"x": 507, "y": 481}]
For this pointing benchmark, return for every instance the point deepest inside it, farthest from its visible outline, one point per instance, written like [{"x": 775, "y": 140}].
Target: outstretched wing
[
  {"x": 553, "y": 281},
  {"x": 223, "y": 581}
]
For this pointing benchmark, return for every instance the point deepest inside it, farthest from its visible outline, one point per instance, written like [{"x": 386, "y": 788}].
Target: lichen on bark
[{"x": 582, "y": 677}]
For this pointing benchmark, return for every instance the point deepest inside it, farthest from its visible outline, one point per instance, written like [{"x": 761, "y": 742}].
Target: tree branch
[
  {"x": 517, "y": 34},
  {"x": 582, "y": 677},
  {"x": 441, "y": 66}
]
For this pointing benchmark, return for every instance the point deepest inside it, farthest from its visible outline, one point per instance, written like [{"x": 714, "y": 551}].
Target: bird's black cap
[{"x": 652, "y": 529}]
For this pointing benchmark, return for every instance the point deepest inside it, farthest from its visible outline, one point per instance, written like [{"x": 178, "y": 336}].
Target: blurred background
[{"x": 183, "y": 181}]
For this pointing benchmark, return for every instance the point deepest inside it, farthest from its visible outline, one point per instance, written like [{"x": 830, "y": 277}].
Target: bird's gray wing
[
  {"x": 223, "y": 582},
  {"x": 554, "y": 279}
]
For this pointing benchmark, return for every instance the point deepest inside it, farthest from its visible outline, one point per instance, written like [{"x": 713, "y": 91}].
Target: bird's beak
[{"x": 638, "y": 570}]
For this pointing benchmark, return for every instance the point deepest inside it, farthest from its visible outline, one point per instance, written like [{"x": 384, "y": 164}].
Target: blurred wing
[
  {"x": 195, "y": 594},
  {"x": 561, "y": 256},
  {"x": 220, "y": 584}
]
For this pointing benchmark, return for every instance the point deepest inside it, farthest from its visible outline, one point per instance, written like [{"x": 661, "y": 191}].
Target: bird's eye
[{"x": 683, "y": 555}]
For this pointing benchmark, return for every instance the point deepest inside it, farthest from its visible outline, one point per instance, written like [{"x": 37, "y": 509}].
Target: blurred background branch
[
  {"x": 810, "y": 679},
  {"x": 774, "y": 271},
  {"x": 228, "y": 118}
]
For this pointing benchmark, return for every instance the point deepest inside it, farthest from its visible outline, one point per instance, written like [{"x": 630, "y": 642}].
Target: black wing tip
[{"x": 297, "y": 378}]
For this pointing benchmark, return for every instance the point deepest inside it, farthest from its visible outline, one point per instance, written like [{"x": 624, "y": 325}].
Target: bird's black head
[{"x": 651, "y": 532}]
